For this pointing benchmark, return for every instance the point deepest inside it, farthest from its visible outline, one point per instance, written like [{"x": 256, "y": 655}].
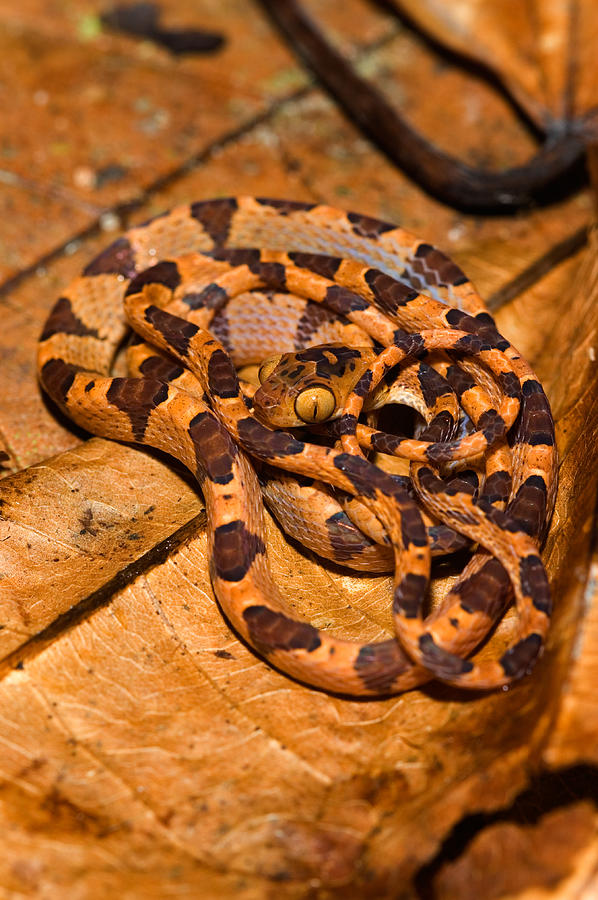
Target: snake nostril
[
  {"x": 260, "y": 396},
  {"x": 263, "y": 400}
]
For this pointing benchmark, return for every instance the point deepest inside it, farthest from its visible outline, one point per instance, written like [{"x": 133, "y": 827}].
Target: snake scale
[{"x": 485, "y": 477}]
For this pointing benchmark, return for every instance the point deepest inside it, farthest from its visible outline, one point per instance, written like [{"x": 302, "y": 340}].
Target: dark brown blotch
[
  {"x": 534, "y": 582},
  {"x": 312, "y": 318},
  {"x": 441, "y": 428},
  {"x": 410, "y": 344},
  {"x": 442, "y": 663},
  {"x": 367, "y": 479},
  {"x": 529, "y": 505},
  {"x": 234, "y": 550},
  {"x": 333, "y": 361},
  {"x": 359, "y": 472},
  {"x": 432, "y": 384},
  {"x": 485, "y": 326},
  {"x": 344, "y": 301},
  {"x": 459, "y": 319},
  {"x": 466, "y": 482},
  {"x": 441, "y": 452},
  {"x": 492, "y": 425},
  {"x": 211, "y": 297},
  {"x": 463, "y": 483},
  {"x": 517, "y": 661},
  {"x": 497, "y": 487},
  {"x": 382, "y": 441},
  {"x": 471, "y": 477},
  {"x": 536, "y": 425},
  {"x": 389, "y": 293},
  {"x": 267, "y": 444},
  {"x": 409, "y": 596},
  {"x": 236, "y": 256},
  {"x": 284, "y": 207},
  {"x": 215, "y": 451},
  {"x": 459, "y": 380},
  {"x": 326, "y": 266},
  {"x": 309, "y": 354},
  {"x": 220, "y": 328},
  {"x": 292, "y": 374},
  {"x": 485, "y": 591},
  {"x": 165, "y": 272},
  {"x": 363, "y": 386},
  {"x": 510, "y": 384},
  {"x": 346, "y": 424},
  {"x": 345, "y": 538},
  {"x": 429, "y": 481},
  {"x": 117, "y": 259},
  {"x": 161, "y": 368},
  {"x": 222, "y": 377},
  {"x": 531, "y": 386},
  {"x": 62, "y": 320},
  {"x": 470, "y": 344},
  {"x": 367, "y": 227},
  {"x": 436, "y": 267},
  {"x": 444, "y": 540},
  {"x": 137, "y": 397},
  {"x": 176, "y": 331},
  {"x": 215, "y": 216},
  {"x": 273, "y": 274},
  {"x": 270, "y": 630},
  {"x": 330, "y": 359},
  {"x": 57, "y": 377},
  {"x": 541, "y": 437},
  {"x": 413, "y": 530},
  {"x": 379, "y": 665}
]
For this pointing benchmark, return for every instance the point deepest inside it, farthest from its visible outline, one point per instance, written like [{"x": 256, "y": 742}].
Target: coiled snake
[{"x": 379, "y": 300}]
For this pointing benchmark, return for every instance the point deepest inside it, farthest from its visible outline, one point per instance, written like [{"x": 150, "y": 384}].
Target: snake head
[{"x": 309, "y": 386}]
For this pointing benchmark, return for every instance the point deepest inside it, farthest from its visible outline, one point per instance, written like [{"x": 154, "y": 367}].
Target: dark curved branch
[{"x": 551, "y": 169}]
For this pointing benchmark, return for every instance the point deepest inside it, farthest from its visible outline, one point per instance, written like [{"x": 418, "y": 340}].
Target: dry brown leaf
[
  {"x": 78, "y": 520},
  {"x": 544, "y": 52},
  {"x": 145, "y": 751}
]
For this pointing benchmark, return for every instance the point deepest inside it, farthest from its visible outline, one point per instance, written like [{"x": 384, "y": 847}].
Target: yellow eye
[
  {"x": 268, "y": 366},
  {"x": 315, "y": 404}
]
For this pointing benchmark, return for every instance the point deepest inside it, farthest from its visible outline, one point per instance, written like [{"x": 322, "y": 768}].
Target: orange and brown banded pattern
[{"x": 355, "y": 316}]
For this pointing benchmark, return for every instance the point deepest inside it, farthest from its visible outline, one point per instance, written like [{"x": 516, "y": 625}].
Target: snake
[{"x": 489, "y": 475}]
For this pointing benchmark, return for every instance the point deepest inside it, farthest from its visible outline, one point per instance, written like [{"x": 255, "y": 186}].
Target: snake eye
[
  {"x": 268, "y": 366},
  {"x": 315, "y": 404}
]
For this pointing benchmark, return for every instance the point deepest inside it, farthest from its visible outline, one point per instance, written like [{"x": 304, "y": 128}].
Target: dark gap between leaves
[{"x": 547, "y": 792}]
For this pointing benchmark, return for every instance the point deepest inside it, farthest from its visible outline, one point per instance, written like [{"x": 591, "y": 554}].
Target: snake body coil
[{"x": 178, "y": 280}]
